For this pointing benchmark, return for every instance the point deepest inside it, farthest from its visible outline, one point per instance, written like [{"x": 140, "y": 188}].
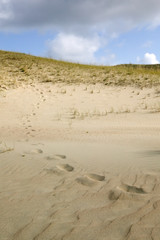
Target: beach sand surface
[{"x": 79, "y": 162}]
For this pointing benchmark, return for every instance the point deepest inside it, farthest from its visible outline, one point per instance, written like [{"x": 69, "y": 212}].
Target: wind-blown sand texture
[{"x": 79, "y": 161}]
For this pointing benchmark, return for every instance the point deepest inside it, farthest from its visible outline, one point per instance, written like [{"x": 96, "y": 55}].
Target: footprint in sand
[
  {"x": 34, "y": 151},
  {"x": 60, "y": 156},
  {"x": 56, "y": 157},
  {"x": 95, "y": 177},
  {"x": 55, "y": 171},
  {"x": 114, "y": 194},
  {"x": 90, "y": 179},
  {"x": 85, "y": 181},
  {"x": 60, "y": 169},
  {"x": 125, "y": 191},
  {"x": 65, "y": 167},
  {"x": 50, "y": 158},
  {"x": 131, "y": 189},
  {"x": 37, "y": 151}
]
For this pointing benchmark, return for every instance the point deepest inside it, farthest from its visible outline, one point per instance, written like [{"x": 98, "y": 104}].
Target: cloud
[
  {"x": 79, "y": 49},
  {"x": 81, "y": 15},
  {"x": 149, "y": 58},
  {"x": 73, "y": 48},
  {"x": 79, "y": 21}
]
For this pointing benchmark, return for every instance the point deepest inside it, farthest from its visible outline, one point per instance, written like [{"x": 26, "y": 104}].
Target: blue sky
[
  {"x": 31, "y": 42},
  {"x": 86, "y": 31}
]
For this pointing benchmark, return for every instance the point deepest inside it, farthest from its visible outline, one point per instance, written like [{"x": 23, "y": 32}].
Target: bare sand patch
[{"x": 84, "y": 163}]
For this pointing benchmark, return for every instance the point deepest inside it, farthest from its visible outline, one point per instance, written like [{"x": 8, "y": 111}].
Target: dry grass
[
  {"x": 4, "y": 148},
  {"x": 17, "y": 69}
]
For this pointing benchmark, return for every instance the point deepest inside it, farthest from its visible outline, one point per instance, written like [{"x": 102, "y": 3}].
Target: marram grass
[{"x": 17, "y": 69}]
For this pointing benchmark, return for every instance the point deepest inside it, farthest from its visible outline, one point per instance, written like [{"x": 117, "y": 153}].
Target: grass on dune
[{"x": 17, "y": 69}]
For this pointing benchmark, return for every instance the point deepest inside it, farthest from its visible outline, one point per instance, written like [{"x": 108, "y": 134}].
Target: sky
[{"x": 101, "y": 32}]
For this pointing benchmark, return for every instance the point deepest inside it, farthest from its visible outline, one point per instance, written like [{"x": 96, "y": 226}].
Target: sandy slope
[{"x": 79, "y": 162}]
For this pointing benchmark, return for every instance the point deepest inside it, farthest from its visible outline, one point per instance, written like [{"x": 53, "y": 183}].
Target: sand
[{"x": 79, "y": 162}]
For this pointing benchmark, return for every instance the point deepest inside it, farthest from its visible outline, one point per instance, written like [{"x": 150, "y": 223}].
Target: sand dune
[{"x": 79, "y": 162}]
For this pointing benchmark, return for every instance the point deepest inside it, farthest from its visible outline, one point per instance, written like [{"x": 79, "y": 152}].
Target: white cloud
[
  {"x": 79, "y": 49},
  {"x": 73, "y": 48},
  {"x": 149, "y": 58}
]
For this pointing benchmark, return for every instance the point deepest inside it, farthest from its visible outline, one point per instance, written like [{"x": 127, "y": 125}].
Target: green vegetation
[{"x": 17, "y": 69}]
